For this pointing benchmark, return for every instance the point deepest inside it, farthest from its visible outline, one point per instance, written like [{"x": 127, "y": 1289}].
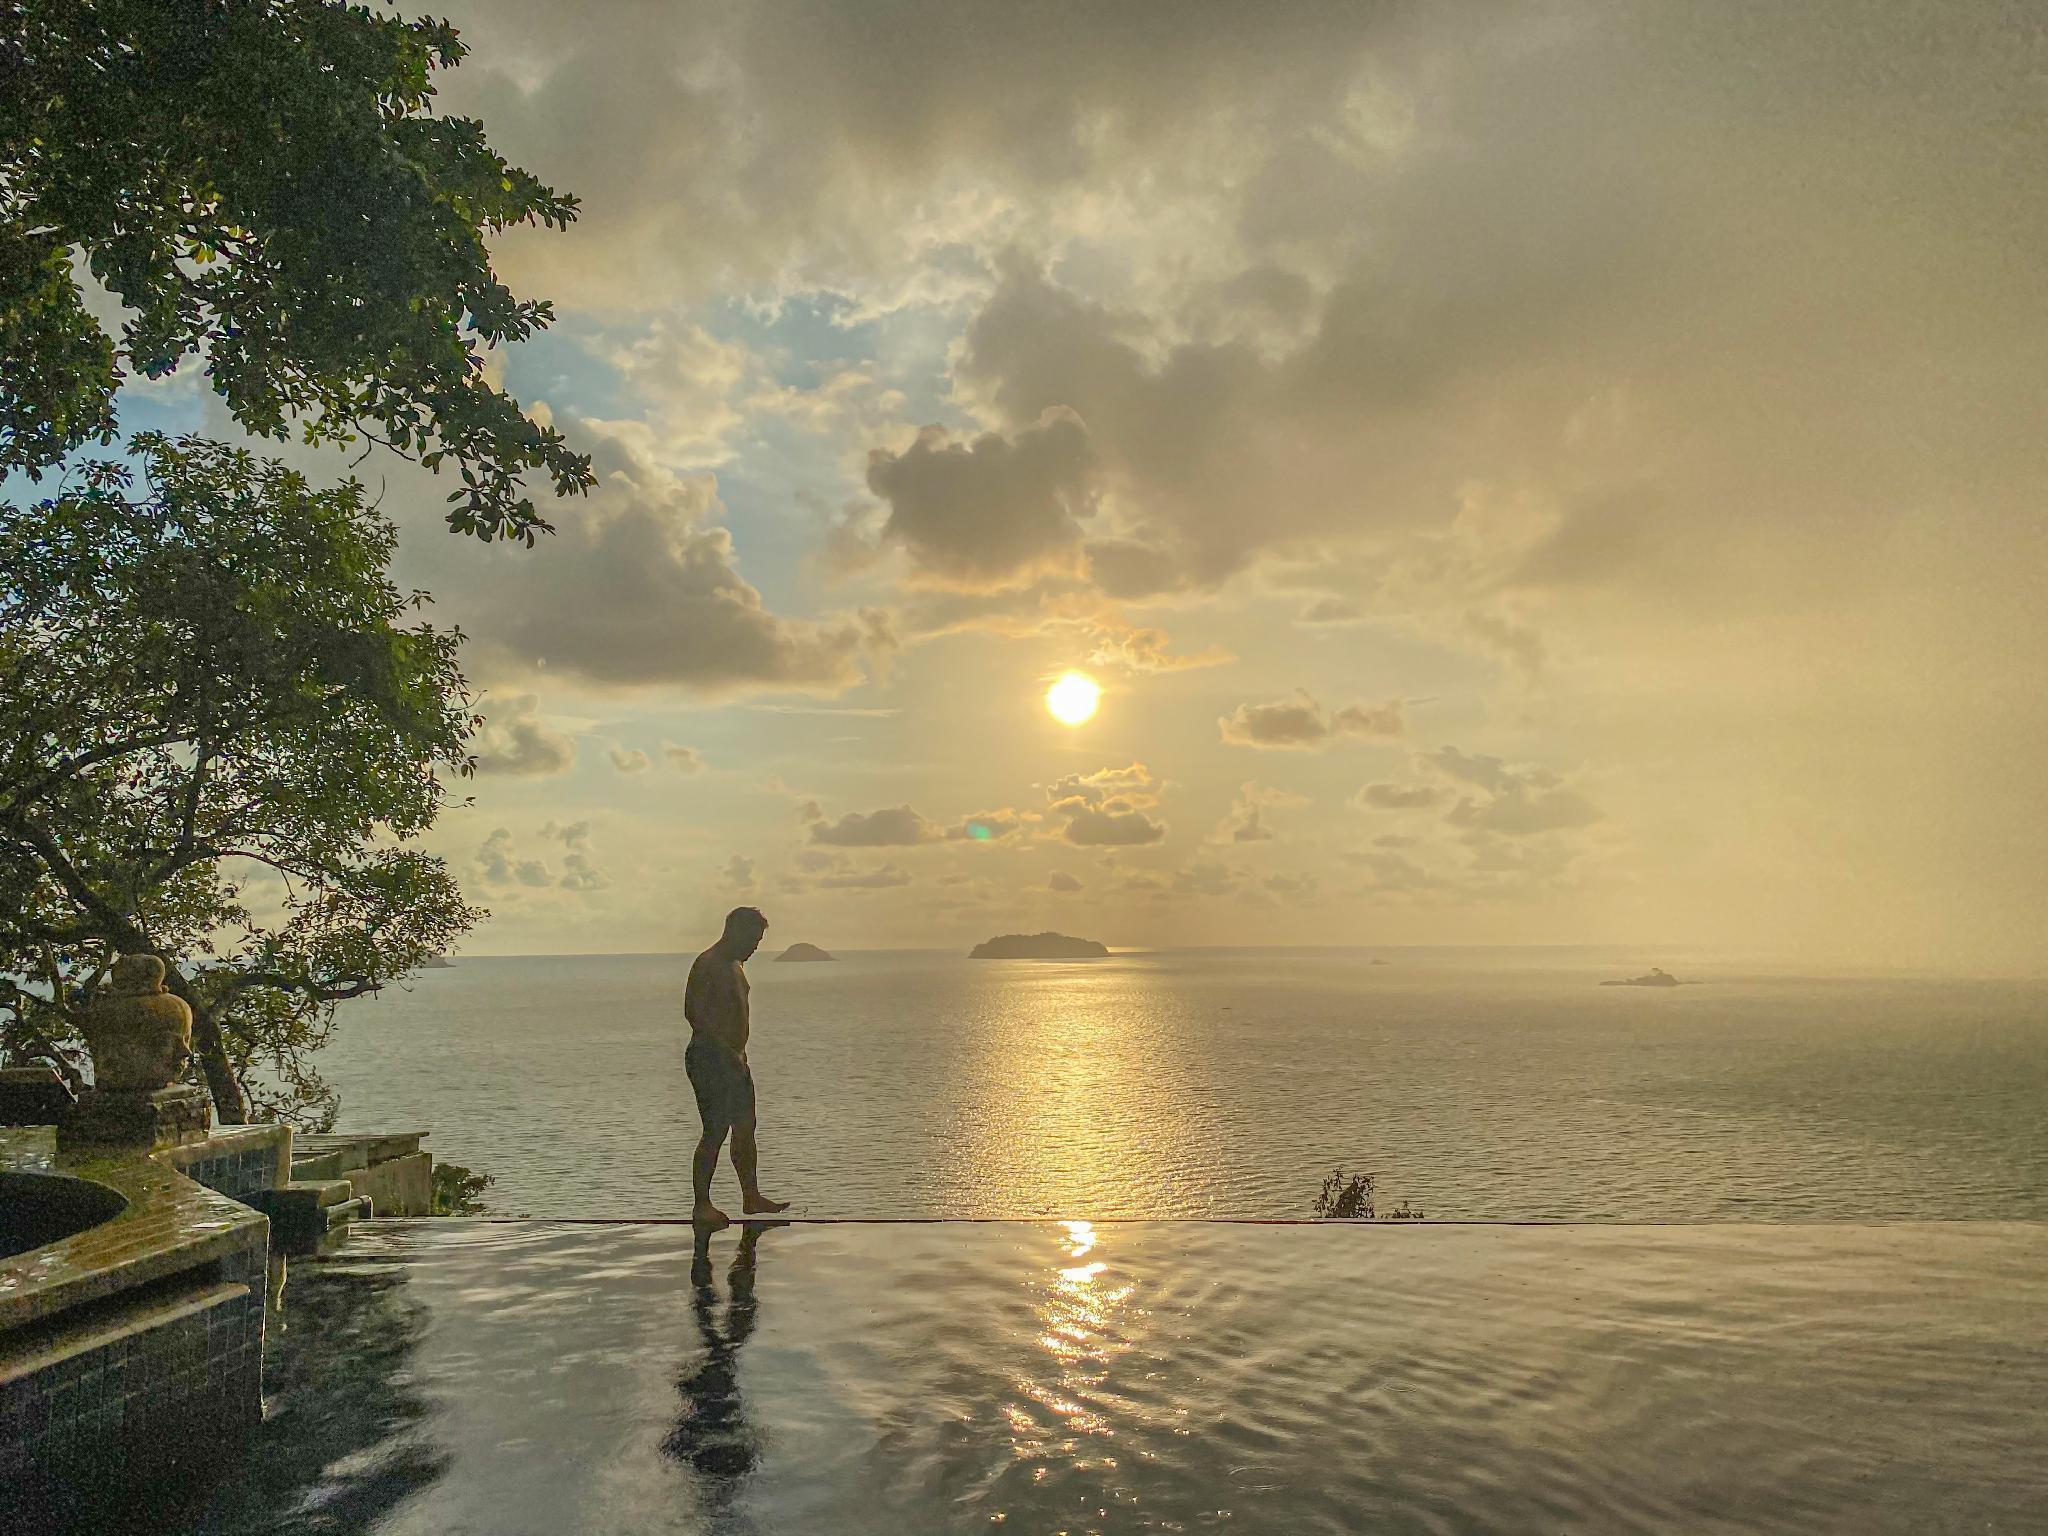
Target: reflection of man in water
[
  {"x": 715, "y": 1003},
  {"x": 714, "y": 1437}
]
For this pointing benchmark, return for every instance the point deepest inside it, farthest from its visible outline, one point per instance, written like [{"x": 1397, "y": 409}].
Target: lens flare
[{"x": 1073, "y": 698}]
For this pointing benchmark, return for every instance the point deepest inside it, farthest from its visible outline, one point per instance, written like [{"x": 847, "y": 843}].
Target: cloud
[
  {"x": 1301, "y": 724},
  {"x": 993, "y": 511},
  {"x": 896, "y": 827},
  {"x": 1060, "y": 880},
  {"x": 1106, "y": 808},
  {"x": 578, "y": 874},
  {"x": 737, "y": 874},
  {"x": 1516, "y": 800},
  {"x": 514, "y": 741},
  {"x": 499, "y": 865},
  {"x": 1144, "y": 651},
  {"x": 498, "y": 862},
  {"x": 991, "y": 826},
  {"x": 629, "y": 759},
  {"x": 1399, "y": 797},
  {"x": 1332, "y": 610},
  {"x": 1205, "y": 877},
  {"x": 1246, "y": 822},
  {"x": 1518, "y": 642},
  {"x": 641, "y": 588},
  {"x": 1299, "y": 889},
  {"x": 865, "y": 880},
  {"x": 682, "y": 759}
]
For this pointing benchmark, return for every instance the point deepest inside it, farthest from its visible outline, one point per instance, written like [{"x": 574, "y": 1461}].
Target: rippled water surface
[
  {"x": 441, "y": 1379},
  {"x": 1478, "y": 1084}
]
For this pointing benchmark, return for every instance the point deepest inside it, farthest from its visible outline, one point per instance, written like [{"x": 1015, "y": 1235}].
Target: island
[
  {"x": 1657, "y": 977},
  {"x": 803, "y": 952},
  {"x": 437, "y": 963},
  {"x": 1038, "y": 946}
]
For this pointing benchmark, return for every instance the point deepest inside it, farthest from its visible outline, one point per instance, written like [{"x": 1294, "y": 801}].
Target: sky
[{"x": 1561, "y": 473}]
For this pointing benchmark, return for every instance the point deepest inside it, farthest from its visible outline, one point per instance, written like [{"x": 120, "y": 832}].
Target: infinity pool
[{"x": 444, "y": 1378}]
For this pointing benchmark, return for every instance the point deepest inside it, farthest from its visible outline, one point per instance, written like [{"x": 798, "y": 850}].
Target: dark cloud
[
  {"x": 682, "y": 759},
  {"x": 629, "y": 759},
  {"x": 1060, "y": 880},
  {"x": 993, "y": 511},
  {"x": 641, "y": 587}
]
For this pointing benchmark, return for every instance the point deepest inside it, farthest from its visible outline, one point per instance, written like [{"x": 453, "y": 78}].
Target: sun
[{"x": 1073, "y": 698}]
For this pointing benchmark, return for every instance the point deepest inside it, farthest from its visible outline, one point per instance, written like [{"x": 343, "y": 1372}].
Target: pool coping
[{"x": 170, "y": 1223}]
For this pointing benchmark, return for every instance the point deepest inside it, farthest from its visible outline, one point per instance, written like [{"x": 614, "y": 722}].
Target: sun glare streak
[{"x": 1072, "y": 699}]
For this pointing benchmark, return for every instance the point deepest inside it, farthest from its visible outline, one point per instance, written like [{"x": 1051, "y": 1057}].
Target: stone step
[{"x": 323, "y": 1165}]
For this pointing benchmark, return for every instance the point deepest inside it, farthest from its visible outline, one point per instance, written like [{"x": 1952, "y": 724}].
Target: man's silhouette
[{"x": 715, "y": 1003}]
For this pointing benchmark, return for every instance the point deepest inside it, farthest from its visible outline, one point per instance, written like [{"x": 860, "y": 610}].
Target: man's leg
[
  {"x": 746, "y": 1163},
  {"x": 704, "y": 1163}
]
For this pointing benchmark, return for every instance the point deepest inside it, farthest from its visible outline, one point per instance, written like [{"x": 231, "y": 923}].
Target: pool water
[{"x": 443, "y": 1378}]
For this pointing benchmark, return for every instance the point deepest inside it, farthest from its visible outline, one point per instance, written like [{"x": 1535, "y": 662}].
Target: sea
[{"x": 1471, "y": 1084}]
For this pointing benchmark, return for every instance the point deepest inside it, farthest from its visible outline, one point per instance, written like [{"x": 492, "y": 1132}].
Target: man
[{"x": 715, "y": 1003}]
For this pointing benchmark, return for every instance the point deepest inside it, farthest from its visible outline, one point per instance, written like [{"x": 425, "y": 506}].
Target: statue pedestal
[{"x": 132, "y": 1117}]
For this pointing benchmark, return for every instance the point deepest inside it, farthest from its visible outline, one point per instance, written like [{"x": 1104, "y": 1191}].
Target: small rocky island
[
  {"x": 437, "y": 963},
  {"x": 803, "y": 952},
  {"x": 1038, "y": 946},
  {"x": 1656, "y": 977}
]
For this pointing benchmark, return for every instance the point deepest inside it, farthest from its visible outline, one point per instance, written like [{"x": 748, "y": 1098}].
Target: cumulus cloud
[
  {"x": 641, "y": 587},
  {"x": 991, "y": 826},
  {"x": 737, "y": 874},
  {"x": 629, "y": 759},
  {"x": 1107, "y": 808},
  {"x": 1060, "y": 880},
  {"x": 992, "y": 511},
  {"x": 682, "y": 759},
  {"x": 514, "y": 741},
  {"x": 1301, "y": 724},
  {"x": 499, "y": 863},
  {"x": 895, "y": 827}
]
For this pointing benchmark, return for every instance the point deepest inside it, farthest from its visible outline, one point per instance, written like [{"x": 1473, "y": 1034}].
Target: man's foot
[
  {"x": 758, "y": 1204},
  {"x": 709, "y": 1218}
]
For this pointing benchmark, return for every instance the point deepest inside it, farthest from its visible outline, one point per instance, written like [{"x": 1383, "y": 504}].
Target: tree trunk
[{"x": 230, "y": 1104}]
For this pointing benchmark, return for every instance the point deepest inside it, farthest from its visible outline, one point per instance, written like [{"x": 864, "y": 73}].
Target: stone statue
[{"x": 139, "y": 1034}]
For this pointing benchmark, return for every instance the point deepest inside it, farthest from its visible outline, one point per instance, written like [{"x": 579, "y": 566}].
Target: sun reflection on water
[{"x": 1082, "y": 1316}]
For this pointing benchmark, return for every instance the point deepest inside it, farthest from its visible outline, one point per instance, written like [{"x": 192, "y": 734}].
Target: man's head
[{"x": 744, "y": 927}]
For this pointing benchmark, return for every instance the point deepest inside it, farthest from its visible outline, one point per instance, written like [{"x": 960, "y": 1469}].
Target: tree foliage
[
  {"x": 224, "y": 731},
  {"x": 263, "y": 183}
]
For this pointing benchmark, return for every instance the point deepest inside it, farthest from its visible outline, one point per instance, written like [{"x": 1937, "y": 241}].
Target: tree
[
  {"x": 223, "y": 731},
  {"x": 263, "y": 183}
]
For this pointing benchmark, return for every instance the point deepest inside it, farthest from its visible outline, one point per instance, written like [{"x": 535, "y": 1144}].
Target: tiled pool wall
[
  {"x": 134, "y": 1346},
  {"x": 239, "y": 1161}
]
